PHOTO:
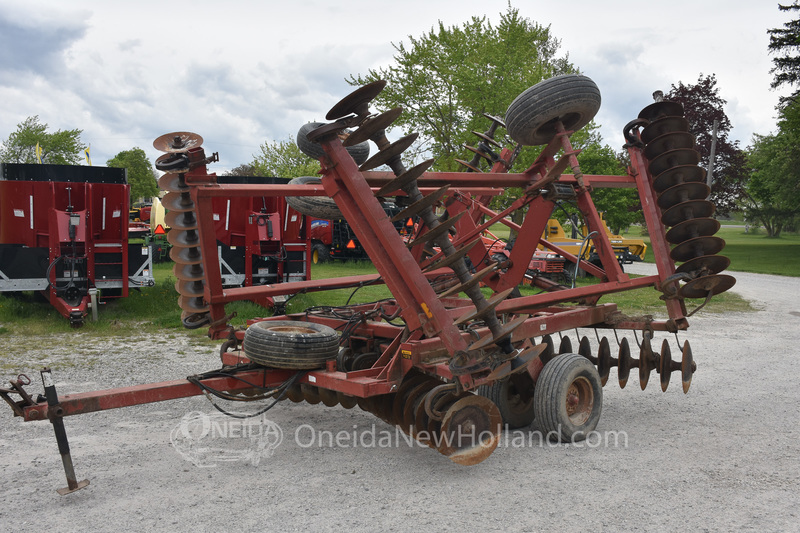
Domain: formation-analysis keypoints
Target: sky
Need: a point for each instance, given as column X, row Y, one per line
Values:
column 242, row 73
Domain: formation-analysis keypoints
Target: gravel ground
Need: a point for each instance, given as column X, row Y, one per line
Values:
column 723, row 457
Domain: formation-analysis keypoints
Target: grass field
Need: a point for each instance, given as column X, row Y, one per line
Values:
column 156, row 309
column 748, row 252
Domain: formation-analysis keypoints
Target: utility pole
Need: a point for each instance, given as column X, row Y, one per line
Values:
column 710, row 170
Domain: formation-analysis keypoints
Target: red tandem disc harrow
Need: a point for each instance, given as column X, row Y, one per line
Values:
column 456, row 353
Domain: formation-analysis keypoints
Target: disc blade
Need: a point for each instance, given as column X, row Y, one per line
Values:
column 470, row 430
column 432, row 234
column 677, row 175
column 452, row 259
column 669, row 141
column 565, row 346
column 624, row 362
column 689, row 229
column 192, row 304
column 393, row 150
column 186, row 256
column 405, row 179
column 173, row 201
column 371, row 126
column 687, row 210
column 192, row 289
column 704, row 265
column 178, row 142
column 683, row 192
column 357, row 101
column 664, row 365
column 687, row 366
column 181, row 220
column 172, row 183
column 646, row 361
column 664, row 108
column 493, row 302
column 697, row 247
column 470, row 166
column 188, row 272
column 476, row 278
column 506, row 330
column 673, row 158
column 183, row 238
column 420, row 205
column 701, row 287
column 604, row 360
column 663, row 125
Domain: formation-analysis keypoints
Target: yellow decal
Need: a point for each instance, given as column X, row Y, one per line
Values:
column 427, row 311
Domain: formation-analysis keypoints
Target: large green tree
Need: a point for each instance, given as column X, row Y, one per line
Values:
column 62, row 147
column 773, row 191
column 141, row 176
column 785, row 44
column 449, row 77
column 283, row 159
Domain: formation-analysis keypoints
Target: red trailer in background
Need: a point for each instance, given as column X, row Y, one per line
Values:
column 64, row 232
column 261, row 240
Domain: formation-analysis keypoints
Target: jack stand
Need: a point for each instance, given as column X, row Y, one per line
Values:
column 54, row 413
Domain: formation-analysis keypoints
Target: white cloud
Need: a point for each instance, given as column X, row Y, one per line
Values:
column 247, row 72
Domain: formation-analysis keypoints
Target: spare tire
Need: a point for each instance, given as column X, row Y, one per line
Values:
column 359, row 152
column 572, row 99
column 290, row 344
column 313, row 206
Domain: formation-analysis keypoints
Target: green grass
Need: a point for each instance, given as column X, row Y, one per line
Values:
column 754, row 252
column 155, row 309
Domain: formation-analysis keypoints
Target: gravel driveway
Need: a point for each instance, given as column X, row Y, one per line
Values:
column 725, row 456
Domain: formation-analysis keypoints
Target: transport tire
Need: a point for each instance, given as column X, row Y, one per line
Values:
column 292, row 344
column 568, row 398
column 359, row 152
column 572, row 99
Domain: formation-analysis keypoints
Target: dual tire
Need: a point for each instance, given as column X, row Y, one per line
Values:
column 566, row 401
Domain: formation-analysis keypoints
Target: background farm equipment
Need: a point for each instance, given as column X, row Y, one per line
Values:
column 416, row 360
column 260, row 240
column 64, row 233
column 580, row 243
column 335, row 239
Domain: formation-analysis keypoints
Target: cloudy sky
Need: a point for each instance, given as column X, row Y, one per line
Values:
column 244, row 72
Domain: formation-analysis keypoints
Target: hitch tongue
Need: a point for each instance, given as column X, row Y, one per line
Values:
column 54, row 413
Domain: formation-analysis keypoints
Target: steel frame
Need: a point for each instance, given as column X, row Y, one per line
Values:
column 429, row 336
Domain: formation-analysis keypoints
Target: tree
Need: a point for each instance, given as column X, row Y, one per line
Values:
column 620, row 207
column 773, row 194
column 446, row 79
column 702, row 106
column 283, row 159
column 242, row 170
column 141, row 176
column 786, row 41
column 64, row 147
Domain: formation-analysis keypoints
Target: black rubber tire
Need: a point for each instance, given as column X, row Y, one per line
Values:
column 550, row 398
column 572, row 99
column 359, row 152
column 290, row 344
column 514, row 398
column 320, row 253
column 313, row 206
